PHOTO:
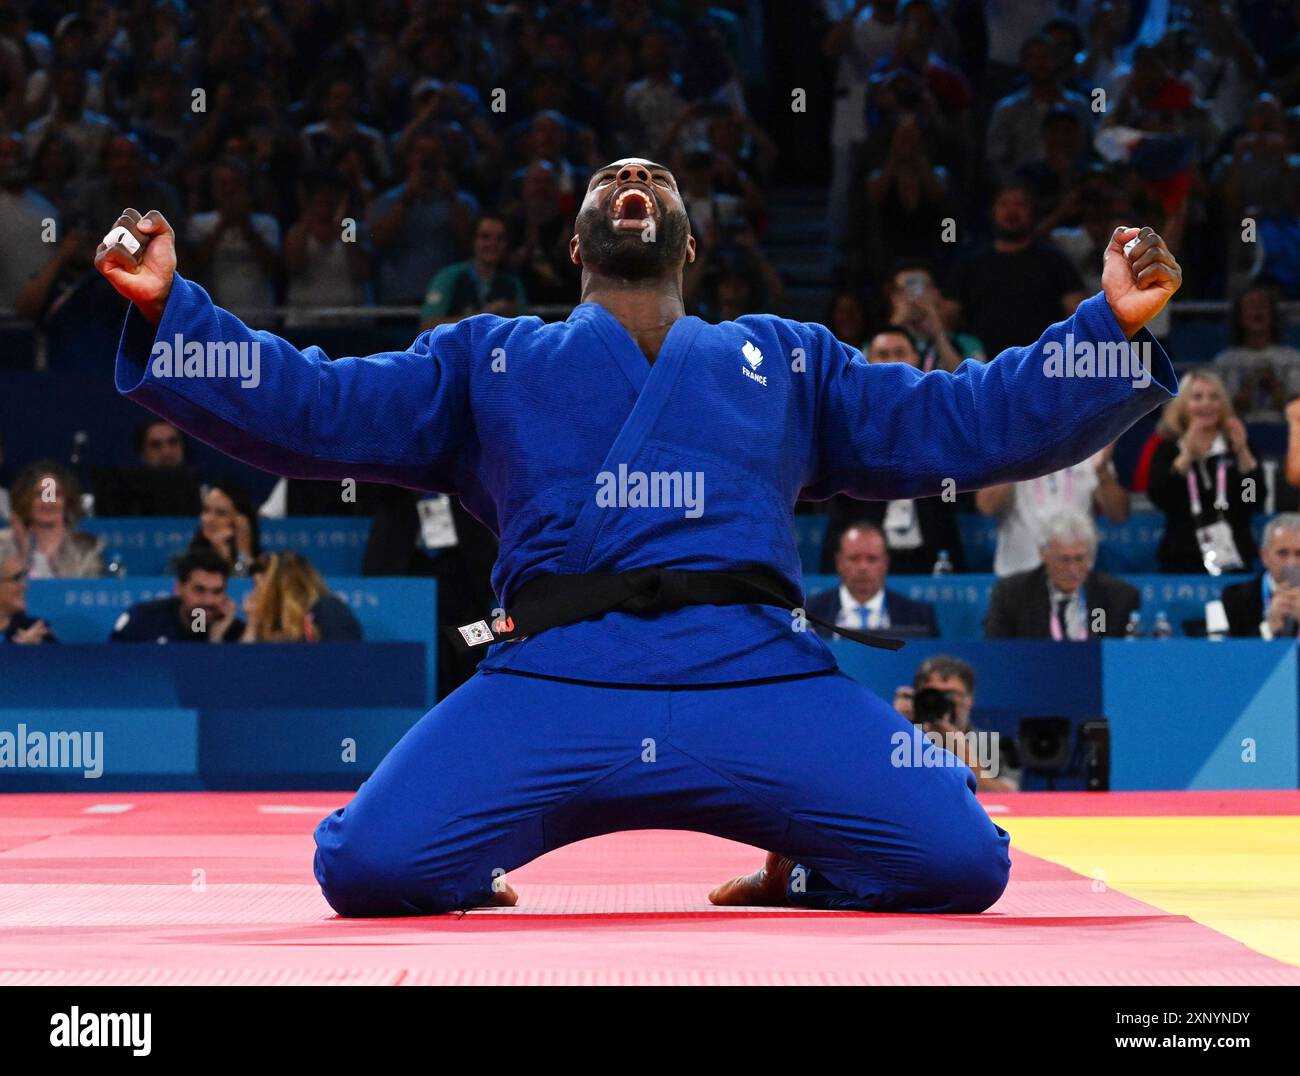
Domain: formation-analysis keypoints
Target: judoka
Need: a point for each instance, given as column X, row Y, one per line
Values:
column 650, row 666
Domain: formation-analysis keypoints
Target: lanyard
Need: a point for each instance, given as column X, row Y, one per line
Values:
column 1220, row 487
column 1041, row 497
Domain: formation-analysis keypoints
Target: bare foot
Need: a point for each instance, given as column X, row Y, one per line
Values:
column 763, row 888
column 503, row 895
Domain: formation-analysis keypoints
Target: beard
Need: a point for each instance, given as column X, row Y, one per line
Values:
column 624, row 253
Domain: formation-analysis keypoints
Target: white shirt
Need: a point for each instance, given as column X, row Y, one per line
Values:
column 850, row 615
column 238, row 280
column 1020, row 528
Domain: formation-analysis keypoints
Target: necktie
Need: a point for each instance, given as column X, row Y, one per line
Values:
column 864, row 617
column 1062, row 604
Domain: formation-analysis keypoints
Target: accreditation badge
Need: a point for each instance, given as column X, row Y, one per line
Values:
column 1219, row 548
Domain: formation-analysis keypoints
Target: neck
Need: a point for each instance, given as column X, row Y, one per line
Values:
column 864, row 596
column 485, row 270
column 647, row 310
column 1258, row 338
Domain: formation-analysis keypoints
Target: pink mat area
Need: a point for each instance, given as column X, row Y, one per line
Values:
column 216, row 888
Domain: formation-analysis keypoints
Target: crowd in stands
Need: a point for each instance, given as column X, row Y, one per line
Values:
column 318, row 155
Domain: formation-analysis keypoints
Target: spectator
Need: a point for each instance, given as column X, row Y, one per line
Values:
column 730, row 277
column 291, row 603
column 200, row 611
column 123, row 180
column 162, row 484
column 236, row 250
column 916, row 304
column 161, row 120
column 54, row 169
column 420, row 225
column 16, row 626
column 893, row 343
column 1063, row 166
column 477, row 286
column 41, row 531
column 1015, row 131
column 325, row 144
column 956, row 679
column 1226, row 67
column 903, row 202
column 1010, row 292
column 1064, row 598
column 653, row 102
column 1293, row 443
column 863, row 600
column 1206, row 482
column 1259, row 372
column 87, row 131
column 228, row 527
column 846, row 317
column 948, row 94
column 861, row 33
column 541, row 257
column 1268, row 607
column 1023, row 509
column 6, row 505
column 24, row 214
column 325, row 266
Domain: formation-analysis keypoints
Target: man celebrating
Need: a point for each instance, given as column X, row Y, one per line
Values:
column 652, row 665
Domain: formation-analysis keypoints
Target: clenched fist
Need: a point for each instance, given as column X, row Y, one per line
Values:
column 144, row 277
column 1139, row 275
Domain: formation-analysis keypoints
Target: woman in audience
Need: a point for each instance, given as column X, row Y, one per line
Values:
column 1260, row 372
column 291, row 603
column 228, row 524
column 1206, row 480
column 42, row 531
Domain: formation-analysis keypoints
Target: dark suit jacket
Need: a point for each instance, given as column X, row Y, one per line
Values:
column 1020, row 607
column 1244, row 604
column 905, row 615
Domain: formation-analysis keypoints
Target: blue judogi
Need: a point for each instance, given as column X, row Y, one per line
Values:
column 526, row 422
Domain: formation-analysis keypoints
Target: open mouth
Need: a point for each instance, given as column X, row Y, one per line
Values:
column 631, row 207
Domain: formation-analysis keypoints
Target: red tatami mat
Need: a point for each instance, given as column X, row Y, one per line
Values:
column 216, row 888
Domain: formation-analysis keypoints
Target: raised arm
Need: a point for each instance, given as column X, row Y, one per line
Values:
column 888, row 431
column 397, row 417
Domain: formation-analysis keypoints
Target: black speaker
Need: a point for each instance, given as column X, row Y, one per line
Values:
column 1094, row 744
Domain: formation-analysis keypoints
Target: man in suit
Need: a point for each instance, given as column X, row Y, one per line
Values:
column 1064, row 598
column 1269, row 607
column 862, row 600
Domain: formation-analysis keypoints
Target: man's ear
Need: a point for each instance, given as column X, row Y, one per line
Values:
column 573, row 250
column 690, row 248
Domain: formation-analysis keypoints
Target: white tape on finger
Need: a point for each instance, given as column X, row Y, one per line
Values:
column 123, row 236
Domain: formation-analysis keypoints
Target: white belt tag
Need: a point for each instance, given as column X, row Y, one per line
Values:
column 437, row 527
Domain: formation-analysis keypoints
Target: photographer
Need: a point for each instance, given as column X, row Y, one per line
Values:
column 941, row 702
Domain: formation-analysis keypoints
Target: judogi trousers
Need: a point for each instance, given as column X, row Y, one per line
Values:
column 510, row 766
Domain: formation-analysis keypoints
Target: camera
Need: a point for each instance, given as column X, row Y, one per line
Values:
column 930, row 706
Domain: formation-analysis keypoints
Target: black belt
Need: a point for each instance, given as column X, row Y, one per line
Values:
column 553, row 601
